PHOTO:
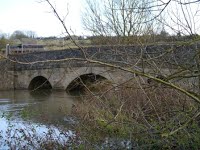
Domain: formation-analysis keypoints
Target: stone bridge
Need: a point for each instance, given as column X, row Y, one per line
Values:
column 62, row 78
column 59, row 69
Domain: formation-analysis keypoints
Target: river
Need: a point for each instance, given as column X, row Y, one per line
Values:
column 41, row 110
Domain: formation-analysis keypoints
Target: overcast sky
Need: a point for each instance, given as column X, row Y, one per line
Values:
column 37, row 17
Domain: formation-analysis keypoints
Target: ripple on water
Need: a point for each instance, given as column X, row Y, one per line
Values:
column 14, row 107
column 12, row 131
column 3, row 101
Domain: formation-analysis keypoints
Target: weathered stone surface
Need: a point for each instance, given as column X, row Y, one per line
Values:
column 6, row 76
column 18, row 71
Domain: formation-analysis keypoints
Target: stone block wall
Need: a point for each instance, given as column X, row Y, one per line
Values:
column 6, row 76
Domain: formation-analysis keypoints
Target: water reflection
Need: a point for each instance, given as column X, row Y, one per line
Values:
column 26, row 111
column 44, row 106
column 40, row 94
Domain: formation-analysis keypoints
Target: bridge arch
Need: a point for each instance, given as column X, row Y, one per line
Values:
column 39, row 82
column 84, row 74
column 84, row 79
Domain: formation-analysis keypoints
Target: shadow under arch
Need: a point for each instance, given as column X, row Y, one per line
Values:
column 39, row 83
column 79, row 83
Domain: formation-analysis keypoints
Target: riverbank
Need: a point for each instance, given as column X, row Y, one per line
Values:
column 141, row 115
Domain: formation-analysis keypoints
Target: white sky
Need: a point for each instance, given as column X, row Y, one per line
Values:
column 38, row 17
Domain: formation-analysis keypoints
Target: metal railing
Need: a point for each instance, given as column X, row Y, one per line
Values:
column 23, row 48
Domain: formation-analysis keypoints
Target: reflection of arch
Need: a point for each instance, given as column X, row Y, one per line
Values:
column 84, row 79
column 39, row 82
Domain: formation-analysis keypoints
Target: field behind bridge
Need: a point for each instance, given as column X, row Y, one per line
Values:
column 59, row 44
column 55, row 43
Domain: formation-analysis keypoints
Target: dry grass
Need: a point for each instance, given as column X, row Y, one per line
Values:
column 59, row 44
column 137, row 112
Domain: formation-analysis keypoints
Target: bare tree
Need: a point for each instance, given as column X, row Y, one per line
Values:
column 116, row 17
column 30, row 34
column 182, row 18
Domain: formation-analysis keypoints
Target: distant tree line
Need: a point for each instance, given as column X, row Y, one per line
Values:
column 3, row 41
column 162, row 37
column 16, row 36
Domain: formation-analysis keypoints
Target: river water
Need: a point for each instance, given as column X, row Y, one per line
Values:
column 41, row 110
column 30, row 119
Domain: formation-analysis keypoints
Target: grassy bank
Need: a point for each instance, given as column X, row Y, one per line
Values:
column 147, row 116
